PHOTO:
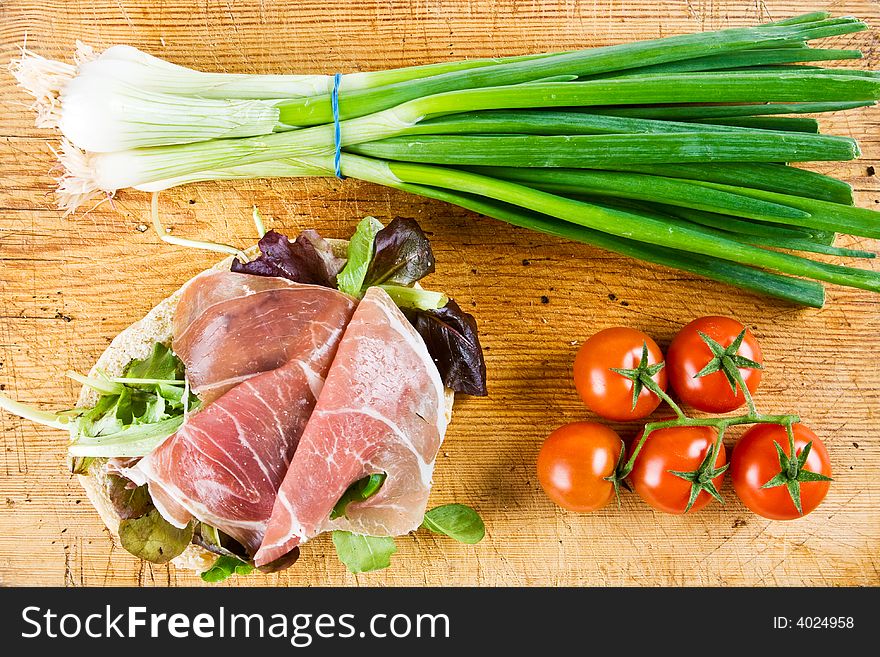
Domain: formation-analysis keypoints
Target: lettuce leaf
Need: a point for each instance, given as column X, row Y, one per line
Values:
column 361, row 490
column 456, row 521
column 402, row 255
column 161, row 364
column 134, row 440
column 451, row 337
column 362, row 554
column 360, row 253
column 415, row 298
column 128, row 501
column 153, row 538
column 225, row 567
column 308, row 259
column 133, row 421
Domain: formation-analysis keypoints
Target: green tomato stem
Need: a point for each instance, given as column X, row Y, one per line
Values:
column 793, row 462
column 737, row 375
column 657, row 390
column 719, row 423
column 716, row 448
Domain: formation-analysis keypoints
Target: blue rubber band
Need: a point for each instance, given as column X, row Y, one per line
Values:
column 337, row 132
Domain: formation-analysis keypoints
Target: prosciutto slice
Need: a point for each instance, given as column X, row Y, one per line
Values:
column 221, row 312
column 225, row 464
column 382, row 409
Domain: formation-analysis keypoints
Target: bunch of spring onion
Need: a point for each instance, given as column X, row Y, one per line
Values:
column 676, row 151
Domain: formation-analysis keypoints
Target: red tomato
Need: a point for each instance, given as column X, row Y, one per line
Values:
column 608, row 393
column 688, row 354
column 677, row 448
column 755, row 461
column 574, row 462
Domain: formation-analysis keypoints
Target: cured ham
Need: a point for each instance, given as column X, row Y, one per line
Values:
column 339, row 404
column 382, row 409
column 225, row 464
column 220, row 312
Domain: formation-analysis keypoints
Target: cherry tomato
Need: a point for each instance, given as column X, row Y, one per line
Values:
column 688, row 354
column 608, row 393
column 682, row 449
column 574, row 462
column 755, row 461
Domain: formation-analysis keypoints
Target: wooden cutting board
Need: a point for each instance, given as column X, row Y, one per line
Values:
column 67, row 286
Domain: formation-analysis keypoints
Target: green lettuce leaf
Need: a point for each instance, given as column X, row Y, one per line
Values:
column 362, row 554
column 132, row 441
column 161, row 364
column 225, row 567
column 456, row 521
column 415, row 298
column 360, row 253
column 358, row 492
column 140, row 415
column 153, row 538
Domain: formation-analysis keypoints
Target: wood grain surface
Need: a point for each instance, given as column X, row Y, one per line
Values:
column 67, row 286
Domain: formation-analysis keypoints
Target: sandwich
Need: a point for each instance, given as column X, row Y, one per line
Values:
column 299, row 387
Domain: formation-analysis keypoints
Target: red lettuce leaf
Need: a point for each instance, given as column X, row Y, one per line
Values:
column 451, row 337
column 128, row 501
column 401, row 255
column 308, row 259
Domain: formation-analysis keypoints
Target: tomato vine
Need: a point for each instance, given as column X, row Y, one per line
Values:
column 792, row 470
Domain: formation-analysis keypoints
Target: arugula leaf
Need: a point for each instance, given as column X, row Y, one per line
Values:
column 131, row 422
column 109, row 414
column 362, row 554
column 308, row 259
column 402, row 255
column 160, row 364
column 358, row 492
column 132, row 441
column 225, row 567
column 360, row 253
column 456, row 521
column 451, row 337
column 153, row 538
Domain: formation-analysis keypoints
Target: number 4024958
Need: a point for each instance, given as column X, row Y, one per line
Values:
column 814, row 622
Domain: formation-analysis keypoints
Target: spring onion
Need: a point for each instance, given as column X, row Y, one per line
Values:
column 769, row 177
column 675, row 151
column 670, row 191
column 544, row 122
column 700, row 112
column 743, row 59
column 794, row 290
column 598, row 151
column 88, row 173
column 791, row 124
